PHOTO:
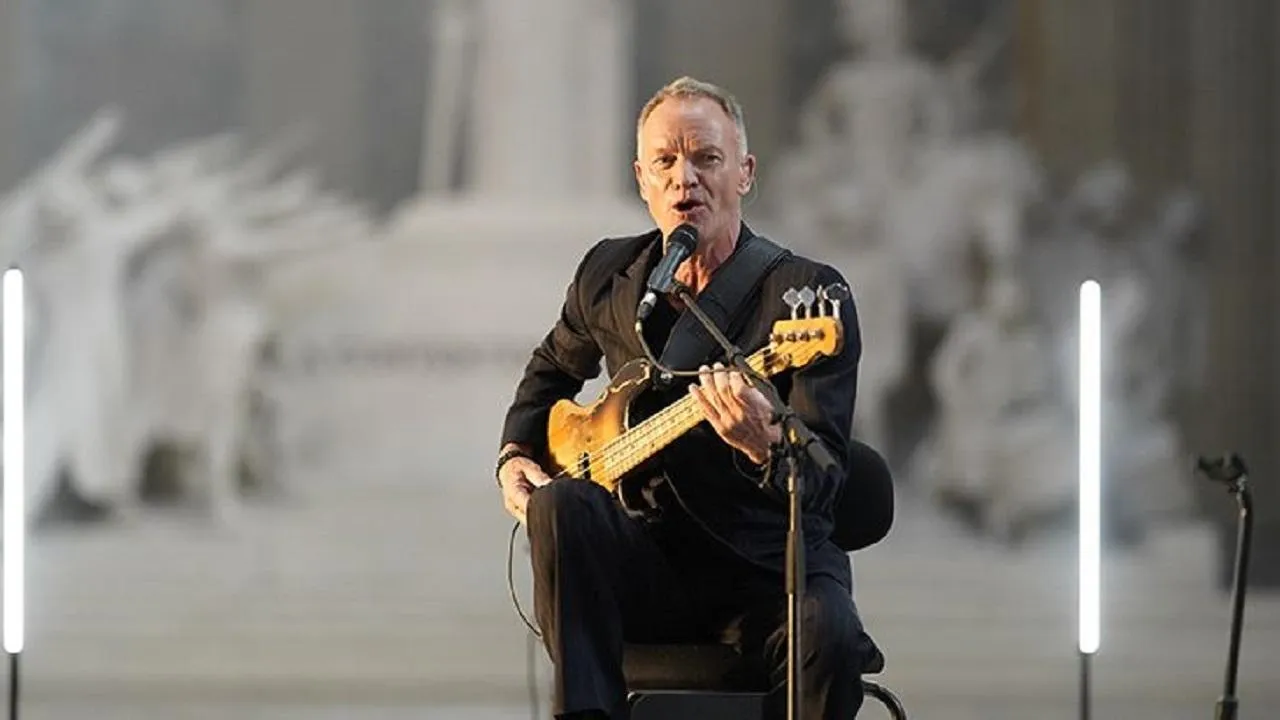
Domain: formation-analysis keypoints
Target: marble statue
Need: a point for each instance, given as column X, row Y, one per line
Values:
column 74, row 248
column 147, row 281
column 860, row 130
column 892, row 183
column 197, row 372
column 970, row 200
column 874, row 271
column 1153, row 302
column 1159, row 348
column 1004, row 444
column 860, row 137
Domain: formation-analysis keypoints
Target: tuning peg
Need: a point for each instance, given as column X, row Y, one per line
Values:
column 807, row 296
column 793, row 301
column 833, row 294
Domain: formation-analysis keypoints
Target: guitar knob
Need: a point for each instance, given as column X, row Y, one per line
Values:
column 833, row 294
column 807, row 296
column 792, row 299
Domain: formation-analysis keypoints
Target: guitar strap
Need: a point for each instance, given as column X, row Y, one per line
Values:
column 689, row 345
column 723, row 300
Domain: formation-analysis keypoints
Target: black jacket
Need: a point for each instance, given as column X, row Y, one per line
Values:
column 597, row 321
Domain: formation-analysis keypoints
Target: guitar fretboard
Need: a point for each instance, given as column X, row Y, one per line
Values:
column 622, row 454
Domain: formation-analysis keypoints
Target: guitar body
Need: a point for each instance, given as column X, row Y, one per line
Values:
column 576, row 433
column 606, row 441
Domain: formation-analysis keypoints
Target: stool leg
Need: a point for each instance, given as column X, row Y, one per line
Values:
column 885, row 697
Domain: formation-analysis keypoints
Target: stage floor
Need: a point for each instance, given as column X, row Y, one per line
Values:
column 375, row 588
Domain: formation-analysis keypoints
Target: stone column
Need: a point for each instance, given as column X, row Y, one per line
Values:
column 522, row 140
column 10, row 83
column 1233, row 120
column 451, row 38
column 1068, row 88
column 1153, row 64
column 601, row 81
column 306, row 68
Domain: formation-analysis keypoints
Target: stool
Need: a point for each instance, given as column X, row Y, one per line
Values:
column 713, row 682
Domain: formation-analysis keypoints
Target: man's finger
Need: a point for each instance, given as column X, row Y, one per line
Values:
column 721, row 380
column 738, row 385
column 520, row 503
column 709, row 392
column 709, row 409
column 537, row 476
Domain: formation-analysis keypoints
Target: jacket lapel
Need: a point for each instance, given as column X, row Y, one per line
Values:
column 689, row 343
column 628, row 287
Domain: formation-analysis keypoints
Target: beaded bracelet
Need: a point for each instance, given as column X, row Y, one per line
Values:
column 504, row 458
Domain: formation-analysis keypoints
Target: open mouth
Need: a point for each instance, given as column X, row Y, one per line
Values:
column 685, row 206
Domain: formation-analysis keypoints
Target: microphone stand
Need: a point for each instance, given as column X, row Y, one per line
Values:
column 797, row 441
column 1231, row 472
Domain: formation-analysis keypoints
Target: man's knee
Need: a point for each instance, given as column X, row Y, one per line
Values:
column 833, row 631
column 578, row 501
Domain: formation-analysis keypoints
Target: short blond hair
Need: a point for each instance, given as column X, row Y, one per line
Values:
column 688, row 87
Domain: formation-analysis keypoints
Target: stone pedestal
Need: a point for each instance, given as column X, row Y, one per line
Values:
column 470, row 273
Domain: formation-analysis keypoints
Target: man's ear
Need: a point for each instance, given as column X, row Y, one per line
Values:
column 748, row 174
column 635, row 164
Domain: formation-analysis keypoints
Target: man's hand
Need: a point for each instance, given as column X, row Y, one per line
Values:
column 740, row 414
column 518, row 477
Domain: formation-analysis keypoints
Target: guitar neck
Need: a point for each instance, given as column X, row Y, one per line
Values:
column 641, row 442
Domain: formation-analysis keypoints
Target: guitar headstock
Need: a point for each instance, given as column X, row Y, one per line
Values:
column 814, row 329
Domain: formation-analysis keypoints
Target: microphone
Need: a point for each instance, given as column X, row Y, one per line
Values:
column 1226, row 469
column 680, row 245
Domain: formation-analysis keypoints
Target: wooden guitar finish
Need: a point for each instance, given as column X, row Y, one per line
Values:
column 577, row 434
column 599, row 442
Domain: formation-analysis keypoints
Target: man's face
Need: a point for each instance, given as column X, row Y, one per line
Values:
column 689, row 167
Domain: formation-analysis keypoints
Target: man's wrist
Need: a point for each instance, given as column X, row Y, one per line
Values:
column 761, row 455
column 509, row 452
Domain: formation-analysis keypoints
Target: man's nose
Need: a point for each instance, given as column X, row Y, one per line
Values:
column 686, row 174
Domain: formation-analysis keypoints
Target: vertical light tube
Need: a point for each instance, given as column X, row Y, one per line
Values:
column 1090, row 407
column 14, row 418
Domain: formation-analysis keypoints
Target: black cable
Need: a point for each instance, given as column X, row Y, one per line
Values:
column 511, row 582
column 531, row 666
column 531, row 647
column 752, row 377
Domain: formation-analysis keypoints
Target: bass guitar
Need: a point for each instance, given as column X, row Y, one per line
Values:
column 598, row 442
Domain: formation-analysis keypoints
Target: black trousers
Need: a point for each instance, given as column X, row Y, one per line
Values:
column 603, row 578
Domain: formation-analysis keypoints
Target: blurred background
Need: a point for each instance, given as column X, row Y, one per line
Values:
column 273, row 247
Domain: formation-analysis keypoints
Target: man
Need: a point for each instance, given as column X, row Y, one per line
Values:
column 708, row 561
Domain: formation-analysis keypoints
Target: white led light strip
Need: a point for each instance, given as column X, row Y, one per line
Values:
column 1090, row 407
column 14, row 418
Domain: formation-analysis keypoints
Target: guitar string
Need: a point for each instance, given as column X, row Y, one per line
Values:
column 622, row 453
column 616, row 456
